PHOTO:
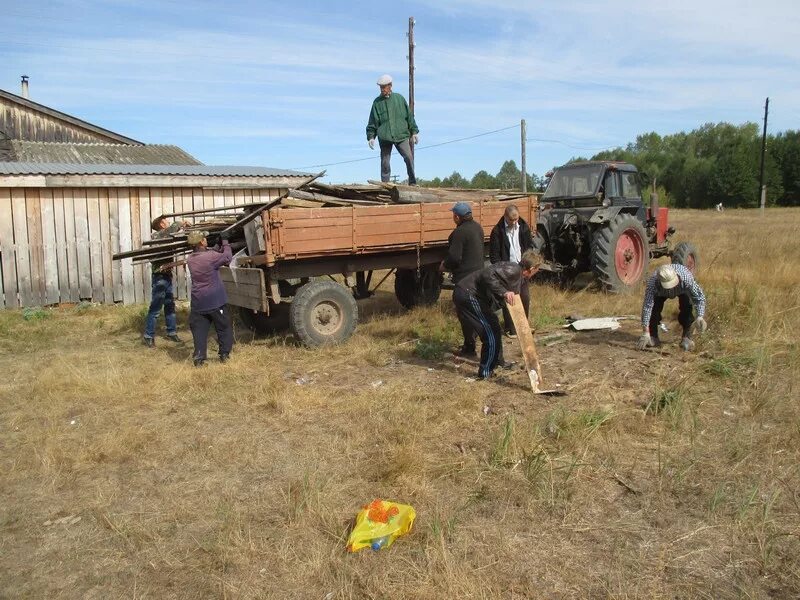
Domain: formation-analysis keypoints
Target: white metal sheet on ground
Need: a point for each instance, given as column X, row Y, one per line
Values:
column 595, row 323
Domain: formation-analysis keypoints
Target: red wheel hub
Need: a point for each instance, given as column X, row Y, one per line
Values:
column 629, row 256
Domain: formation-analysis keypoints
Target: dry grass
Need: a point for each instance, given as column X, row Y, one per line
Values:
column 658, row 476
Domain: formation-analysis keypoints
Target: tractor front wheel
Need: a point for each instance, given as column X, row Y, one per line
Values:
column 687, row 255
column 620, row 254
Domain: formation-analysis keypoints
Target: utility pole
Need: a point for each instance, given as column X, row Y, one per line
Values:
column 411, row 70
column 761, row 187
column 523, row 130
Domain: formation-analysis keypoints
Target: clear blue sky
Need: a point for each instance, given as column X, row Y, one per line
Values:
column 289, row 84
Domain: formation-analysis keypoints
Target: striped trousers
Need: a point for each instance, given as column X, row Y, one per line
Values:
column 485, row 323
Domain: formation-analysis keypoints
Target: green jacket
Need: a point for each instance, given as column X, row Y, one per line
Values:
column 391, row 119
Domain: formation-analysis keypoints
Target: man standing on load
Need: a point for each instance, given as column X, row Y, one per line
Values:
column 392, row 122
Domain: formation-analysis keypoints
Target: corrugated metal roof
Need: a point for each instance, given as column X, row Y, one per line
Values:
column 89, row 153
column 29, row 168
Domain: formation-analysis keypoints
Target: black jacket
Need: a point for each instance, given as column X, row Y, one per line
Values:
column 499, row 248
column 465, row 250
column 491, row 283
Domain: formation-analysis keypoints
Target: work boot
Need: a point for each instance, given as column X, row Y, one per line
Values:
column 173, row 337
column 465, row 352
column 225, row 357
column 503, row 364
column 511, row 334
column 199, row 362
column 149, row 342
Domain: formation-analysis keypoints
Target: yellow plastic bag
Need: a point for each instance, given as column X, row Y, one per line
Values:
column 379, row 524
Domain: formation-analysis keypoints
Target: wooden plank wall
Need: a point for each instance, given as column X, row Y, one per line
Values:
column 56, row 243
column 26, row 123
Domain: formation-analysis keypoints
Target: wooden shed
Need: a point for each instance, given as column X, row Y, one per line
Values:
column 60, row 223
column 24, row 119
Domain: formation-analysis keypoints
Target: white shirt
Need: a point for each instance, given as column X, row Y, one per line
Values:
column 514, row 250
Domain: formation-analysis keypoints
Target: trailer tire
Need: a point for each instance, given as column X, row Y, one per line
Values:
column 687, row 255
column 323, row 312
column 262, row 323
column 620, row 253
column 423, row 291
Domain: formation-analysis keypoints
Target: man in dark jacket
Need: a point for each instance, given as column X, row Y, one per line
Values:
column 392, row 122
column 509, row 240
column 480, row 294
column 209, row 300
column 464, row 256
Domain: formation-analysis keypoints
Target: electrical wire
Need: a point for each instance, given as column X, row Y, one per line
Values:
column 355, row 160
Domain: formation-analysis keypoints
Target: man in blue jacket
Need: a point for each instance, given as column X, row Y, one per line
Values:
column 392, row 122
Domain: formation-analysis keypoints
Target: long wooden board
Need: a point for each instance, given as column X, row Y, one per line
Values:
column 526, row 342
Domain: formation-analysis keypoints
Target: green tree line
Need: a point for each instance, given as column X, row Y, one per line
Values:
column 509, row 177
column 717, row 162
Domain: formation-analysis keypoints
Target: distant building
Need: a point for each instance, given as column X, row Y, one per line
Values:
column 72, row 194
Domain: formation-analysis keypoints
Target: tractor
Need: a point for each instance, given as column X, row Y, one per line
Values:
column 592, row 218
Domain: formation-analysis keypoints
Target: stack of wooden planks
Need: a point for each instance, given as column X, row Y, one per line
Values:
column 310, row 194
column 314, row 195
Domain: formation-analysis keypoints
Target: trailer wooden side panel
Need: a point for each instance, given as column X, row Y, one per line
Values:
column 316, row 232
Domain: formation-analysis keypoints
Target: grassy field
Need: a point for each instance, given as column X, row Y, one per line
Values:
column 126, row 472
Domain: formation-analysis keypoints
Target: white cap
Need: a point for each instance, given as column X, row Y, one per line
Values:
column 667, row 277
column 384, row 80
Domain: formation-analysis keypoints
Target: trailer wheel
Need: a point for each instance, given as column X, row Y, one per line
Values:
column 262, row 323
column 323, row 312
column 414, row 291
column 687, row 255
column 620, row 253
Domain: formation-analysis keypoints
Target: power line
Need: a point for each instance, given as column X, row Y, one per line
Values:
column 355, row 160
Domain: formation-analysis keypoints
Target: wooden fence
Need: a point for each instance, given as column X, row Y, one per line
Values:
column 56, row 243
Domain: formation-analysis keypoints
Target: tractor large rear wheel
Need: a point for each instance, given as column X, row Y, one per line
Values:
column 620, row 254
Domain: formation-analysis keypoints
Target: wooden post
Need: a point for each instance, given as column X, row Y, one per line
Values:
column 411, row 69
column 761, row 188
column 523, row 130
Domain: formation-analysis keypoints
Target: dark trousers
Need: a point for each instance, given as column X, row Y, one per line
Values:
column 466, row 329
column 483, row 321
column 685, row 314
column 404, row 148
column 200, row 323
column 525, row 296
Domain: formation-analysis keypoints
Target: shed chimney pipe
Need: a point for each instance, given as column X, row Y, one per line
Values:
column 24, row 86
